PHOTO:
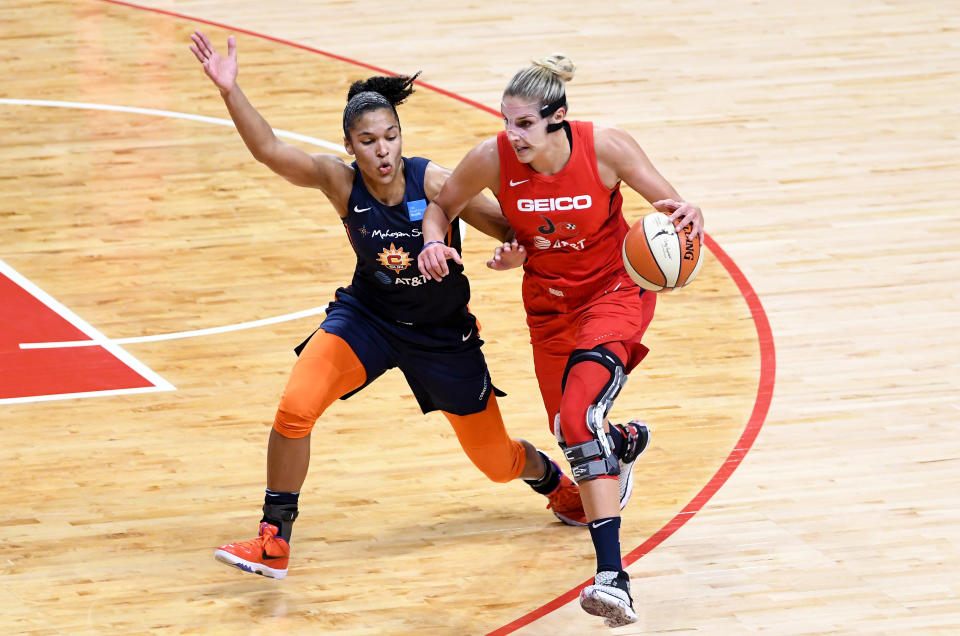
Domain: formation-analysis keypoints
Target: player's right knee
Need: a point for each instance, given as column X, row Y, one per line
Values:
column 587, row 398
column 294, row 420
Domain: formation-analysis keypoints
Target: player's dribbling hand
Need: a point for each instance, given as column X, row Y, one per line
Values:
column 508, row 256
column 682, row 214
column 432, row 260
column 223, row 71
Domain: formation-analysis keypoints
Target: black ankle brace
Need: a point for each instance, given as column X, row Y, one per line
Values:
column 285, row 514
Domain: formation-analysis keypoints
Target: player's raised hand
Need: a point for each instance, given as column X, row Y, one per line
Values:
column 222, row 70
column 508, row 256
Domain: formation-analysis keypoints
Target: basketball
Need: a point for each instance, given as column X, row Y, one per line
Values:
column 658, row 258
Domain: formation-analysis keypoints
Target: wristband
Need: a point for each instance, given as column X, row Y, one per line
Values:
column 429, row 243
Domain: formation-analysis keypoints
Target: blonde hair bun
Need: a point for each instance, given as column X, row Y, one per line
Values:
column 558, row 64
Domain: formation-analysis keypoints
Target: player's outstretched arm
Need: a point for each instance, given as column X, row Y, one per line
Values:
column 292, row 163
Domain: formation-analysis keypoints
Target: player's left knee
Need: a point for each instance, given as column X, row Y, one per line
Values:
column 501, row 462
column 499, row 473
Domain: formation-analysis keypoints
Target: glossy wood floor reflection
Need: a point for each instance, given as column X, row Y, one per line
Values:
column 822, row 146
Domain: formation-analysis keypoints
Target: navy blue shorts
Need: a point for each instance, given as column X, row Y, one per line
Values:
column 443, row 365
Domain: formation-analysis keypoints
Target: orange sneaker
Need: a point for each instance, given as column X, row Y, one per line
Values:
column 565, row 503
column 268, row 554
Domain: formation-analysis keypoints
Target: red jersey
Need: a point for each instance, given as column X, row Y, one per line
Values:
column 571, row 225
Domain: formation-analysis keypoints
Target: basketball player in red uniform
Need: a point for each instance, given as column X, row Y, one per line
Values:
column 558, row 183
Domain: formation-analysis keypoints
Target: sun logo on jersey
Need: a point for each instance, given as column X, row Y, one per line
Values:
column 394, row 258
column 363, row 230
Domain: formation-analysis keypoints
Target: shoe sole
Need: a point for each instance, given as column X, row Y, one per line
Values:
column 247, row 566
column 568, row 520
column 628, row 491
column 613, row 610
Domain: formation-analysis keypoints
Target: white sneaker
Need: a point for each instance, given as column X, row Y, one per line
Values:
column 609, row 597
column 637, row 435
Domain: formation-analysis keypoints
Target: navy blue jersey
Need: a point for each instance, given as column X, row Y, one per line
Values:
column 387, row 240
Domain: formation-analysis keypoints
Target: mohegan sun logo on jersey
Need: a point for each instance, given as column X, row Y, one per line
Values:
column 394, row 258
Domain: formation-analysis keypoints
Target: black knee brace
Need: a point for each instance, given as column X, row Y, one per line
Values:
column 595, row 457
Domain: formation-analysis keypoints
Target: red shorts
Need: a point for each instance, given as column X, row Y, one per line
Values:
column 621, row 316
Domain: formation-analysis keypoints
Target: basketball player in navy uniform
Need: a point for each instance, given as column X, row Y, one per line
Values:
column 387, row 317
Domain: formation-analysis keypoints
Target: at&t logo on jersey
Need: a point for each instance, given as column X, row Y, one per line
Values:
column 394, row 258
column 579, row 202
column 414, row 281
column 543, row 243
column 386, row 279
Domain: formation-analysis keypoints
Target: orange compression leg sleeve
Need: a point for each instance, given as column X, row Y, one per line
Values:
column 485, row 441
column 326, row 369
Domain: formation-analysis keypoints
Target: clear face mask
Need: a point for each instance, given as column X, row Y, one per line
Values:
column 521, row 120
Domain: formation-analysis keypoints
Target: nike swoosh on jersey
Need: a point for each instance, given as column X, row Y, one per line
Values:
column 358, row 210
column 516, row 183
column 466, row 337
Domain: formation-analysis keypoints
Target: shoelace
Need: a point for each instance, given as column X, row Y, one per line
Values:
column 260, row 541
column 564, row 498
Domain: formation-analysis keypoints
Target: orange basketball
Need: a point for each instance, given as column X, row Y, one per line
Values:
column 659, row 258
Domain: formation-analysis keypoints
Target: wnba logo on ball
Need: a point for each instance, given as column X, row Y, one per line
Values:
column 658, row 257
column 558, row 203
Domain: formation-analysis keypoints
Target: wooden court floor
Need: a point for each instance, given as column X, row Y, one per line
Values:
column 803, row 391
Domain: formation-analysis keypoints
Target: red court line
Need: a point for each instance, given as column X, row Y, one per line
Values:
column 764, row 334
column 303, row 47
column 27, row 373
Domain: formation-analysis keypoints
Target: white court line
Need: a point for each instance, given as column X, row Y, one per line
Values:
column 168, row 113
column 181, row 334
column 97, row 338
column 83, row 394
column 197, row 332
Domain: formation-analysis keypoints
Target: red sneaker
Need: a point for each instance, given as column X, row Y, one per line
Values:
column 268, row 554
column 565, row 503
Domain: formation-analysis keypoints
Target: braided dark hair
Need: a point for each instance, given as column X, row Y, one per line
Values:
column 374, row 93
